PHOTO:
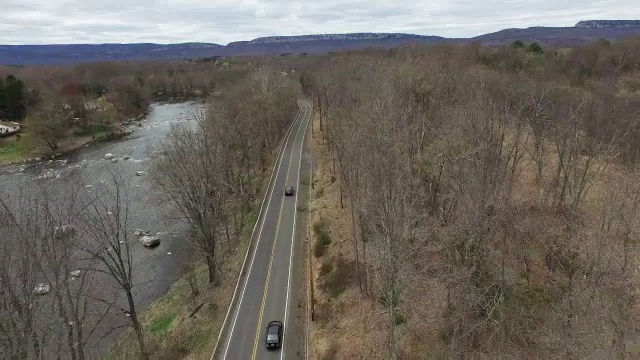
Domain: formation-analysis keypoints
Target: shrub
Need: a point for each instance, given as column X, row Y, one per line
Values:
column 338, row 280
column 323, row 239
column 326, row 267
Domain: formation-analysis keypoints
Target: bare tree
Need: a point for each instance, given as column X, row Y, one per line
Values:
column 189, row 176
column 208, row 171
column 105, row 225
column 45, row 251
column 50, row 123
column 23, row 331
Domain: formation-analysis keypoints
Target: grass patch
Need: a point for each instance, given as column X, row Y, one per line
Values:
column 96, row 132
column 169, row 329
column 14, row 148
column 162, row 324
column 323, row 239
column 8, row 149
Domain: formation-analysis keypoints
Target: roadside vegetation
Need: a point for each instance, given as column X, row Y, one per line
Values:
column 212, row 175
column 474, row 202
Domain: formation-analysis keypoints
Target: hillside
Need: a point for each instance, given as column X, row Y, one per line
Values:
column 582, row 32
column 602, row 24
column 74, row 53
column 558, row 35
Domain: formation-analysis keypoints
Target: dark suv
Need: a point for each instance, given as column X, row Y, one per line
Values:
column 289, row 190
column 274, row 335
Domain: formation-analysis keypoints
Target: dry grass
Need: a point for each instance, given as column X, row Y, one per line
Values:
column 350, row 325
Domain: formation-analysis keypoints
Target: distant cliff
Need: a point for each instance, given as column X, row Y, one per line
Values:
column 609, row 24
column 335, row 37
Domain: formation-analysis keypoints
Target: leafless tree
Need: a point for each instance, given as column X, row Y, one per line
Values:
column 38, row 225
column 189, row 175
column 210, row 163
column 108, row 240
column 23, row 331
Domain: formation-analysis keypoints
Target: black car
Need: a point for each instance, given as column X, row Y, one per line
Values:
column 274, row 334
column 289, row 190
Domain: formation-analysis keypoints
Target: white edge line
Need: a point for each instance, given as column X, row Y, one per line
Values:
column 293, row 241
column 268, row 193
column 308, row 257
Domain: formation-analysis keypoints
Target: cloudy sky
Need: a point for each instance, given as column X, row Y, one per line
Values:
column 223, row 21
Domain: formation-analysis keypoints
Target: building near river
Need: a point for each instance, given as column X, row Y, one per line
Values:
column 9, row 128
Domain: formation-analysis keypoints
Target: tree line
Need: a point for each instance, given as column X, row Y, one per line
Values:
column 210, row 170
column 474, row 179
column 57, row 102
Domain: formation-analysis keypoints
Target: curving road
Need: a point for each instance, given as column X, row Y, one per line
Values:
column 269, row 289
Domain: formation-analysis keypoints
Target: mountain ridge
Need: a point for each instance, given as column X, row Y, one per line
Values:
column 58, row 54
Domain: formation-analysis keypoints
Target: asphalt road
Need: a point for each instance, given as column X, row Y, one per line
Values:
column 268, row 291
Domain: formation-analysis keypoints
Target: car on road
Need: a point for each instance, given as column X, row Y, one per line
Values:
column 274, row 334
column 289, row 190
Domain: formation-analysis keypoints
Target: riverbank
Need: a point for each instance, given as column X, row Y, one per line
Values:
column 25, row 148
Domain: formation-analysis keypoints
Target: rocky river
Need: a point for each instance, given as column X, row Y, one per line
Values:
column 155, row 269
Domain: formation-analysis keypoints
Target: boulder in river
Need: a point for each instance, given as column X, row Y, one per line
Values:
column 141, row 172
column 47, row 175
column 42, row 289
column 109, row 156
column 150, row 240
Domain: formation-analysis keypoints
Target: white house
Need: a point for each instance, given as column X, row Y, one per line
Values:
column 9, row 128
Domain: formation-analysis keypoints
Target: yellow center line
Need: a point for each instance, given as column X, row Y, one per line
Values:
column 266, row 285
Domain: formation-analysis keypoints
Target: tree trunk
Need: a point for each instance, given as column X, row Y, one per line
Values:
column 137, row 327
column 364, row 258
column 355, row 246
column 392, row 327
column 211, row 265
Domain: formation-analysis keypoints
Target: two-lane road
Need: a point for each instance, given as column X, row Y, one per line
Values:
column 266, row 293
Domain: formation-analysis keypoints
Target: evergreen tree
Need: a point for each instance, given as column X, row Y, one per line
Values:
column 14, row 99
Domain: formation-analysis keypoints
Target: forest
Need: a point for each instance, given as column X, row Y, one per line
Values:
column 467, row 201
column 476, row 202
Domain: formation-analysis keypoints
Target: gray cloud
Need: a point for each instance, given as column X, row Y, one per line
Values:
column 223, row 21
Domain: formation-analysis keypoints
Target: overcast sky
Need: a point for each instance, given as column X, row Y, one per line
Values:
column 223, row 21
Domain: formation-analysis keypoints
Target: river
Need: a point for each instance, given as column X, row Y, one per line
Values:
column 155, row 269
